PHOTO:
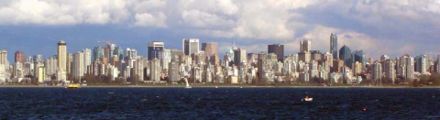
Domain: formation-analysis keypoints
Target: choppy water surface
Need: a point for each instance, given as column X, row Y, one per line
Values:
column 222, row 103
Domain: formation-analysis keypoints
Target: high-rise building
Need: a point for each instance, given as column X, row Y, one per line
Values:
column 422, row 64
column 98, row 53
column 51, row 66
column 240, row 57
column 305, row 49
column 191, row 46
column 62, row 61
column 87, row 60
column 316, row 55
column 4, row 57
column 408, row 67
column 155, row 49
column 211, row 51
column 20, row 57
column 359, row 56
column 377, row 72
column 277, row 49
column 210, row 48
column 346, row 56
column 4, row 65
column 40, row 72
column 437, row 64
column 390, row 71
column 173, row 71
column 334, row 45
column 305, row 46
column 78, row 68
column 155, row 70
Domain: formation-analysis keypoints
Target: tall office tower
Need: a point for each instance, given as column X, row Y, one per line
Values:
column 155, row 70
column 4, row 57
column 20, row 57
column 384, row 57
column 131, row 54
column 155, row 49
column 166, row 58
column 437, row 64
column 305, row 46
column 304, row 54
column 422, row 64
column 4, row 65
column 277, row 49
column 334, row 45
column 316, row 55
column 40, row 72
column 377, row 72
column 313, row 69
column 98, row 53
column 390, row 71
column 62, row 61
column 359, row 56
column 109, row 50
column 38, row 58
column 210, row 48
column 240, row 57
column 346, row 56
column 138, row 70
column 87, row 58
column 51, row 66
column 78, row 68
column 191, row 46
column 173, row 71
column 211, row 51
column 263, row 69
column 328, row 59
column 409, row 70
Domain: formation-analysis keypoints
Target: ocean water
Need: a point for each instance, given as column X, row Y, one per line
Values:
column 221, row 103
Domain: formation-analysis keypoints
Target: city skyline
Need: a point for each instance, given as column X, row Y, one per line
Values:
column 404, row 27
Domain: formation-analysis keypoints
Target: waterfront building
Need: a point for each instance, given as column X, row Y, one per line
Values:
column 40, row 72
column 334, row 45
column 155, row 50
column 422, row 64
column 62, row 59
column 4, row 66
column 191, row 46
column 19, row 57
column 305, row 46
column 346, row 56
column 377, row 72
column 155, row 70
column 390, row 71
column 211, row 51
column 240, row 57
column 277, row 49
column 359, row 56
column 78, row 68
column 4, row 57
column 173, row 72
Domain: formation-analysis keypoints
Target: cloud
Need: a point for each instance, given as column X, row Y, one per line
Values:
column 62, row 12
column 146, row 19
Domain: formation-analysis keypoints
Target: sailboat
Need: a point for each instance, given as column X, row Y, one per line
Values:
column 187, row 84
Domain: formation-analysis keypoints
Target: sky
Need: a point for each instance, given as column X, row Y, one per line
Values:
column 392, row 27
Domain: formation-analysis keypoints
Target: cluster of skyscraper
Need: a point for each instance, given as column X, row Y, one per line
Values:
column 200, row 63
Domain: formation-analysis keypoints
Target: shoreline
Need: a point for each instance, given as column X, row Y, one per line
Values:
column 219, row 86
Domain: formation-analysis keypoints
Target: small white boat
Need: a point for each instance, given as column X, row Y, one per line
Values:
column 307, row 99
